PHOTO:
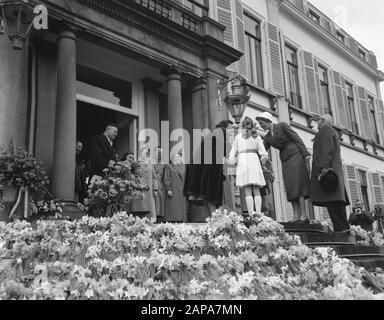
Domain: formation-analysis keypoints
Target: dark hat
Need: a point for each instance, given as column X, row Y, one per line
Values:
column 329, row 181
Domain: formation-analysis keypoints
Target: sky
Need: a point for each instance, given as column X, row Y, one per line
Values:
column 362, row 19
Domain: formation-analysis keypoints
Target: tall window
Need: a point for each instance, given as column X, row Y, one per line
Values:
column 253, row 53
column 351, row 108
column 362, row 54
column 364, row 188
column 324, row 86
column 340, row 37
column 315, row 17
column 372, row 119
column 293, row 74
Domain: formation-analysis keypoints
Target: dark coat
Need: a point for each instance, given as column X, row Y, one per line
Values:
column 175, row 206
column 292, row 155
column 205, row 181
column 101, row 152
column 286, row 140
column 326, row 154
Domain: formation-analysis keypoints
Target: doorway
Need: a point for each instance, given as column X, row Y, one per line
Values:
column 92, row 120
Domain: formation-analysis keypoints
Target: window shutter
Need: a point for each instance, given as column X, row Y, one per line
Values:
column 364, row 112
column 310, row 80
column 372, row 60
column 353, row 183
column 239, row 18
column 300, row 5
column 381, row 117
column 377, row 188
column 224, row 14
column 353, row 45
column 275, row 59
column 342, row 117
column 327, row 24
column 318, row 87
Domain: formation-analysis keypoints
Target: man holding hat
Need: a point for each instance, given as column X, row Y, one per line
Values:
column 327, row 178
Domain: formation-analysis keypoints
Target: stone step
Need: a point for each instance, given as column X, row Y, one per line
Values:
column 293, row 227
column 369, row 264
column 327, row 239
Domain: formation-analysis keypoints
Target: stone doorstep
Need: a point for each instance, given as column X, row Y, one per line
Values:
column 369, row 264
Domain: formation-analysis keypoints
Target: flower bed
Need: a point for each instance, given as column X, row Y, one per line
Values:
column 130, row 258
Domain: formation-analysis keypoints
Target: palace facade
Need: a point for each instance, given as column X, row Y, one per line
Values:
column 139, row 62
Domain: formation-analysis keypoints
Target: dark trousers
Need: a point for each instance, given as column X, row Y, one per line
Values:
column 338, row 215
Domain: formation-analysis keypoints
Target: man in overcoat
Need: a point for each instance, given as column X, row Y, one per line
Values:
column 102, row 150
column 326, row 155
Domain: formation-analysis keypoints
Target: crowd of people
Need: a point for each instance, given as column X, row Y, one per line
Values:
column 177, row 189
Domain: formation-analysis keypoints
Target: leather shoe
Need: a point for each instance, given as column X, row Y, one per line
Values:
column 306, row 221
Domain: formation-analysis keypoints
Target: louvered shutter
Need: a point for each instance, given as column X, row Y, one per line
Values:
column 239, row 18
column 377, row 188
column 318, row 87
column 353, row 183
column 372, row 60
column 300, row 4
column 381, row 118
column 340, row 95
column 353, row 45
column 364, row 112
column 310, row 80
column 327, row 24
column 224, row 14
column 345, row 96
column 275, row 59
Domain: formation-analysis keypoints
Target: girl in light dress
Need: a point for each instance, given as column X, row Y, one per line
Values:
column 249, row 174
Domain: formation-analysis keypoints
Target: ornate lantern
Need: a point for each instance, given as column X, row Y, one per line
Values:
column 17, row 18
column 236, row 96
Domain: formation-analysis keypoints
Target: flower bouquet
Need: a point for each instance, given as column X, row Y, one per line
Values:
column 47, row 210
column 20, row 172
column 114, row 191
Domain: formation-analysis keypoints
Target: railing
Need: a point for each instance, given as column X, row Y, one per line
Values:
column 184, row 12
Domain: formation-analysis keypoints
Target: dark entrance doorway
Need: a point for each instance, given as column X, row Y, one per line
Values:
column 92, row 120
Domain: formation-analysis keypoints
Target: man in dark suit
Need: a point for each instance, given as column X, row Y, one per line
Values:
column 326, row 155
column 102, row 150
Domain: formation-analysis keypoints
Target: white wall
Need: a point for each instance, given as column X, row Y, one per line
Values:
column 325, row 52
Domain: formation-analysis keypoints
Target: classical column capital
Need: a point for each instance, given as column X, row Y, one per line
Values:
column 172, row 73
column 199, row 84
column 151, row 85
column 68, row 31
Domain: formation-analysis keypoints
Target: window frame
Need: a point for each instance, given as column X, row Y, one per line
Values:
column 295, row 98
column 364, row 187
column 340, row 36
column 327, row 85
column 373, row 117
column 314, row 16
column 351, row 107
column 254, row 66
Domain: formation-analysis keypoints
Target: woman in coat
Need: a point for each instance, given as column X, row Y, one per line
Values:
column 326, row 155
column 175, row 202
column 150, row 179
column 295, row 161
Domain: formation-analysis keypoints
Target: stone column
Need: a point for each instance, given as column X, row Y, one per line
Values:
column 13, row 93
column 151, row 104
column 175, row 110
column 199, row 103
column 216, row 113
column 63, row 177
